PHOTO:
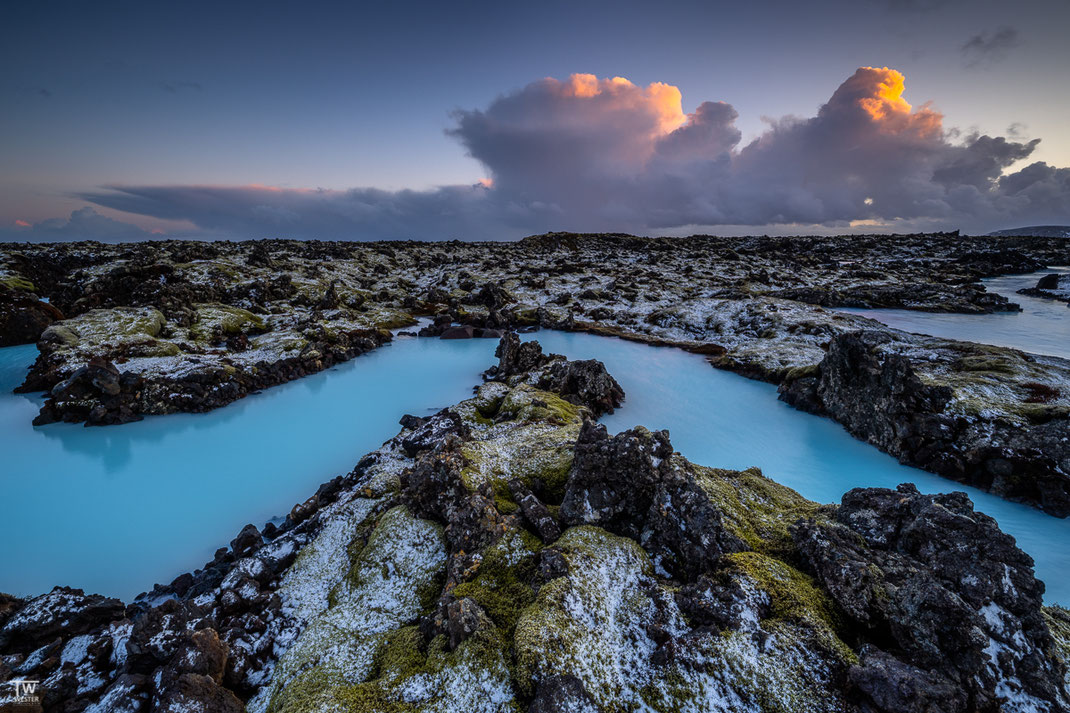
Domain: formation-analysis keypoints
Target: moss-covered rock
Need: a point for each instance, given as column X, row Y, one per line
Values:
column 605, row 620
column 216, row 321
column 519, row 432
column 389, row 582
column 17, row 283
column 502, row 585
column 755, row 508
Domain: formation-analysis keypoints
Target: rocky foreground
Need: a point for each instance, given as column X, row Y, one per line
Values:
column 155, row 328
column 507, row 554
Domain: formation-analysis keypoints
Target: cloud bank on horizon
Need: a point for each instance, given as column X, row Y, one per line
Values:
column 591, row 154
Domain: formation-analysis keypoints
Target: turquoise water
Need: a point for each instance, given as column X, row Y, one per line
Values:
column 1042, row 327
column 720, row 419
column 116, row 509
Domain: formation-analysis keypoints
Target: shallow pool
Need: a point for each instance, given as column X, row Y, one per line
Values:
column 116, row 509
column 1042, row 327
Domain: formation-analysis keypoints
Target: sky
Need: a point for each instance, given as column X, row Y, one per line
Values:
column 481, row 120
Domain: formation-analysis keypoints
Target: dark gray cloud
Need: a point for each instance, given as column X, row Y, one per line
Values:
column 83, row 224
column 989, row 47
column 605, row 154
column 358, row 214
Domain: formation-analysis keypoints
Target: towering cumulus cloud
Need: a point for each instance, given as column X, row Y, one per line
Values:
column 606, row 154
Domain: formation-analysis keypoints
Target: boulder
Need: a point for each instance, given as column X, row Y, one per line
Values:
column 613, row 480
column 464, row 331
column 63, row 611
column 951, row 600
column 516, row 357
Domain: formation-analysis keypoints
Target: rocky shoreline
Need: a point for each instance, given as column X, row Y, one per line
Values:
column 508, row 554
column 165, row 327
column 1052, row 287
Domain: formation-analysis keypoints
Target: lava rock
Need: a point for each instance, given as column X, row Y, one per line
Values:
column 23, row 317
column 63, row 611
column 535, row 512
column 613, row 480
column 585, row 382
column 941, row 587
column 464, row 331
column 562, row 694
column 516, row 357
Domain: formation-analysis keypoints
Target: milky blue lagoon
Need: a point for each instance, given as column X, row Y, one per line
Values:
column 1042, row 327
column 116, row 509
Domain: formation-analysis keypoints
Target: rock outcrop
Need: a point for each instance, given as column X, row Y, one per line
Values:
column 584, row 382
column 948, row 605
column 23, row 317
column 971, row 413
column 1054, row 286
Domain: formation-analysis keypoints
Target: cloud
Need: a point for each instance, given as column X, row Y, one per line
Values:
column 357, row 214
column 989, row 47
column 605, row 154
column 83, row 224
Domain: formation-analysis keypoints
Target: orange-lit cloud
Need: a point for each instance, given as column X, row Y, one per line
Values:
column 21, row 224
column 888, row 97
column 590, row 153
column 878, row 93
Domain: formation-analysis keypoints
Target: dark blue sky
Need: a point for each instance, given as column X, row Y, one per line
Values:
column 310, row 95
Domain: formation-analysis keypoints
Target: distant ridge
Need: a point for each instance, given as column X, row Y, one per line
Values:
column 1040, row 231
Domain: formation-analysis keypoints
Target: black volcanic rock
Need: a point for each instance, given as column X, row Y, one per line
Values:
column 23, row 317
column 62, row 611
column 516, row 357
column 951, row 600
column 869, row 382
column 585, row 382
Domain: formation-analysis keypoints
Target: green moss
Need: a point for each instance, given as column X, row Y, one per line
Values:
column 802, row 372
column 114, row 327
column 793, row 595
column 604, row 574
column 1058, row 620
column 502, row 583
column 387, row 318
column 479, row 660
column 1001, row 363
column 17, row 283
column 403, row 654
column 525, row 316
column 309, row 691
column 391, row 576
column 218, row 320
column 480, row 410
column 468, row 312
column 372, row 562
column 503, row 497
column 526, row 403
column 756, row 509
column 519, row 433
column 60, row 334
column 153, row 348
